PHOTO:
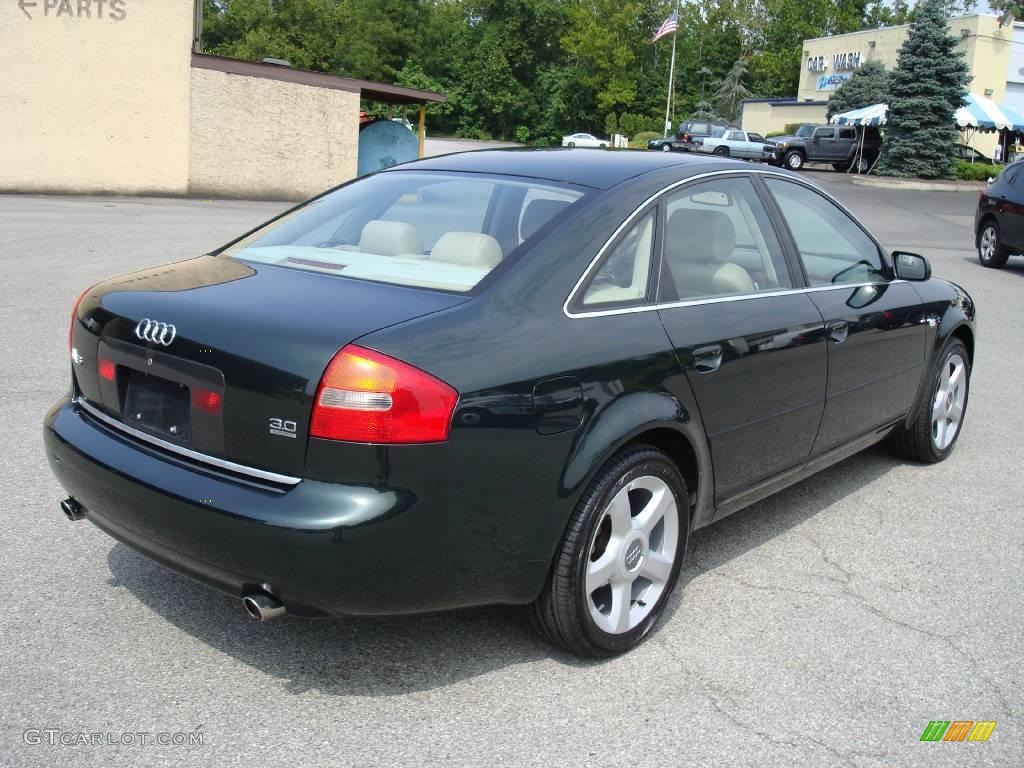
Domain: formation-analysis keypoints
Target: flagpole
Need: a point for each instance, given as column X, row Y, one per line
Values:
column 671, row 79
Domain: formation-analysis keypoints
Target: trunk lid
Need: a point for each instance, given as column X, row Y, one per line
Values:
column 237, row 378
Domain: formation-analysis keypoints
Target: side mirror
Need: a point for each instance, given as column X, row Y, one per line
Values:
column 911, row 266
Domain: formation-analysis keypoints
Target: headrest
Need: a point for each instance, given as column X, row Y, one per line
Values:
column 468, row 248
column 390, row 238
column 537, row 214
column 699, row 236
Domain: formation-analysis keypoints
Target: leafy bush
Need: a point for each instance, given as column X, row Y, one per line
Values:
column 966, row 171
column 773, row 134
column 641, row 139
column 471, row 132
column 522, row 134
column 790, row 129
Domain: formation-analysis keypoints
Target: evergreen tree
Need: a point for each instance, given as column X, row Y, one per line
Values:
column 927, row 88
column 868, row 85
column 731, row 92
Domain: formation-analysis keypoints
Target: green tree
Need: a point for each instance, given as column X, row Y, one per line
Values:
column 927, row 88
column 731, row 92
column 869, row 84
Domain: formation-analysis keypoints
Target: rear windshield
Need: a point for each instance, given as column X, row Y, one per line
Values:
column 432, row 230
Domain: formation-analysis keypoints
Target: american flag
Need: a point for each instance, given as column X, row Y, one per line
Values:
column 670, row 25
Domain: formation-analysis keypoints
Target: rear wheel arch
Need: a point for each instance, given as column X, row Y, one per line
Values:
column 986, row 219
column 677, row 447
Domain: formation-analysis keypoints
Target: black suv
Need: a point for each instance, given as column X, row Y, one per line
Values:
column 999, row 219
column 835, row 144
column 691, row 135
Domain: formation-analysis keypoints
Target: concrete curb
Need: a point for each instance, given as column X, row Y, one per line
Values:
column 922, row 185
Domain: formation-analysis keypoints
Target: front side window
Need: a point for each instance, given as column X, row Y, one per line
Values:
column 825, row 133
column 833, row 248
column 426, row 229
column 719, row 242
column 623, row 276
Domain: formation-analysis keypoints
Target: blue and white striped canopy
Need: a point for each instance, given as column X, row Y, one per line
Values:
column 876, row 114
column 984, row 114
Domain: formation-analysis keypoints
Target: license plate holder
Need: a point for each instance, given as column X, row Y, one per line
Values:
column 158, row 405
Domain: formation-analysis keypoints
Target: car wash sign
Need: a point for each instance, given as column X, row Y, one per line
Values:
column 839, row 64
column 101, row 10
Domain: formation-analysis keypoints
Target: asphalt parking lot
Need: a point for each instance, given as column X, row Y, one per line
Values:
column 824, row 626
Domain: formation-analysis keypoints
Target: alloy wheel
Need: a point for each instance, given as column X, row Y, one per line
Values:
column 632, row 554
column 989, row 242
column 948, row 404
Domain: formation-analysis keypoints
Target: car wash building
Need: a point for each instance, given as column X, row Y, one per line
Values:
column 114, row 96
column 994, row 53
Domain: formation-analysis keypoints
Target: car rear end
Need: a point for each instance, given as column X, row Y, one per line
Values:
column 224, row 419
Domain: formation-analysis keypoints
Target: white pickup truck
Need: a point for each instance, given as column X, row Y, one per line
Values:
column 742, row 144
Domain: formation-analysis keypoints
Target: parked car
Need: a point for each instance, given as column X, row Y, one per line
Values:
column 386, row 401
column 583, row 140
column 999, row 218
column 689, row 136
column 741, row 144
column 662, row 145
column 836, row 144
column 969, row 154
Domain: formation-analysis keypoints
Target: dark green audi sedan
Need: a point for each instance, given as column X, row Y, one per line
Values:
column 519, row 377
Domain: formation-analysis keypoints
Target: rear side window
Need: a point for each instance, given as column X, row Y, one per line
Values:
column 833, row 248
column 719, row 241
column 432, row 230
column 623, row 276
column 847, row 133
column 699, row 128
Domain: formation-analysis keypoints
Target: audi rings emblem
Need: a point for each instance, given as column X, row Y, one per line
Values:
column 159, row 333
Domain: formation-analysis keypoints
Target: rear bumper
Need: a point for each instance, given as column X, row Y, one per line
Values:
column 322, row 548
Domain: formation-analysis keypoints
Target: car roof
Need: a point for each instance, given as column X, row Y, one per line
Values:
column 600, row 169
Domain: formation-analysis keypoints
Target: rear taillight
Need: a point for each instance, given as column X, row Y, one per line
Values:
column 206, row 400
column 107, row 369
column 74, row 316
column 367, row 397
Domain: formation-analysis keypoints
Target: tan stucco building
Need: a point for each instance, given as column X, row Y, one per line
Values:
column 109, row 96
column 828, row 61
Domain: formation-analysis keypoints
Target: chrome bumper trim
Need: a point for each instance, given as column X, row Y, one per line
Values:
column 231, row 466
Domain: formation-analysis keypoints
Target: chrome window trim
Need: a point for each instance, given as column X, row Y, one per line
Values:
column 231, row 466
column 716, row 299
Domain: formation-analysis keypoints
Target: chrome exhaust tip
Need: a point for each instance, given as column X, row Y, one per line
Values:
column 72, row 510
column 263, row 607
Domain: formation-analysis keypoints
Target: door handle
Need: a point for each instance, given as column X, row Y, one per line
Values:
column 838, row 330
column 707, row 359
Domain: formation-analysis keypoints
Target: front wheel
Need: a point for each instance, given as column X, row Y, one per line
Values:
column 619, row 557
column 722, row 151
column 991, row 251
column 793, row 160
column 936, row 427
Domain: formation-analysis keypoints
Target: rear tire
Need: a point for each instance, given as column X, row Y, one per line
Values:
column 793, row 160
column 666, row 147
column 722, row 151
column 991, row 251
column 619, row 558
column 940, row 416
